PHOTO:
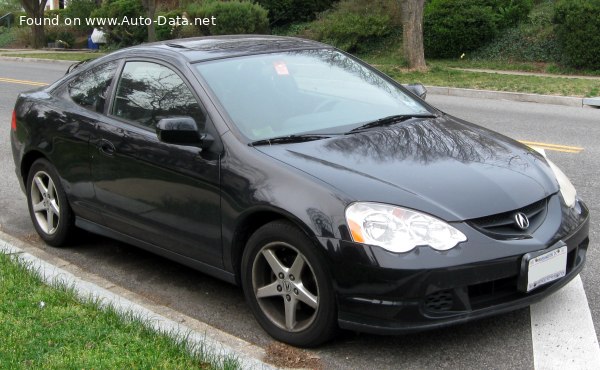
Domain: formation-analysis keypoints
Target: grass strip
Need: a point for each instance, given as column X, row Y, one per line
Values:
column 443, row 76
column 48, row 326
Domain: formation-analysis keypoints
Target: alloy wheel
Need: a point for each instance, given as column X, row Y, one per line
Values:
column 45, row 203
column 285, row 286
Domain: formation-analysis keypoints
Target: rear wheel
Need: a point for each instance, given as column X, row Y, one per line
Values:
column 48, row 206
column 287, row 285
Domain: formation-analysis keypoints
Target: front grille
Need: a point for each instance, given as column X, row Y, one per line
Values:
column 503, row 226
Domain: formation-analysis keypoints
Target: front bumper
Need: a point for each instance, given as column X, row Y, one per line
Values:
column 384, row 293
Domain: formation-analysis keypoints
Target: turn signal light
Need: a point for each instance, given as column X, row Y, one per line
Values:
column 13, row 124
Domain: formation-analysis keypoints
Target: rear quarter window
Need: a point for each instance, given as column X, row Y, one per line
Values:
column 90, row 88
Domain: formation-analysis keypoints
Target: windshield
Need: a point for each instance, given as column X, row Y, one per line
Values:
column 299, row 92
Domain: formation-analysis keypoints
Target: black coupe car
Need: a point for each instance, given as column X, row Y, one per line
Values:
column 333, row 195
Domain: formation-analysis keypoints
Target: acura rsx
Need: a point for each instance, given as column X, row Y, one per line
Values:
column 336, row 197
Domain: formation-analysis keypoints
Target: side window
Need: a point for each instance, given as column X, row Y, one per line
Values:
column 147, row 92
column 90, row 88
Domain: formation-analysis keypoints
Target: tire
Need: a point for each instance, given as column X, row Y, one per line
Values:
column 48, row 205
column 288, row 287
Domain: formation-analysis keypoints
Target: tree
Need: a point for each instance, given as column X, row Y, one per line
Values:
column 35, row 10
column 412, row 33
column 150, row 8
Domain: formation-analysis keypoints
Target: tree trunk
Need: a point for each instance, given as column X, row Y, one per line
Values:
column 150, row 7
column 35, row 10
column 412, row 33
column 39, row 37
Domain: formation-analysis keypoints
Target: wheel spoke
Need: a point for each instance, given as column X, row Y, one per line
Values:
column 297, row 266
column 40, row 185
column 290, row 313
column 39, row 207
column 307, row 297
column 50, row 189
column 273, row 261
column 54, row 207
column 268, row 290
column 50, row 221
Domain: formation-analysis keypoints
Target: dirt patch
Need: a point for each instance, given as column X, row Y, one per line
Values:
column 32, row 238
column 285, row 356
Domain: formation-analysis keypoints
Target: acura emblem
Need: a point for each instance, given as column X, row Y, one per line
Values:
column 521, row 221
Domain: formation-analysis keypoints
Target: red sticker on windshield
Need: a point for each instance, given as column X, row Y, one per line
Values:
column 281, row 68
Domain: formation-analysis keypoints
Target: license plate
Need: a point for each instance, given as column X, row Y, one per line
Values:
column 546, row 267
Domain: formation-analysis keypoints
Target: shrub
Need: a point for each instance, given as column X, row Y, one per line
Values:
column 350, row 30
column 282, row 12
column 81, row 9
column 166, row 31
column 452, row 27
column 51, row 13
column 63, row 35
column 7, row 36
column 354, row 25
column 122, row 35
column 578, row 32
column 22, row 36
column 533, row 40
column 232, row 17
column 510, row 12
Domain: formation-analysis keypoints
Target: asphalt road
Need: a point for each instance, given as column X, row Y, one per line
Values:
column 503, row 342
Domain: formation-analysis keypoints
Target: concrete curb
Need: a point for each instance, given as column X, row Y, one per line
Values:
column 159, row 318
column 513, row 96
column 36, row 60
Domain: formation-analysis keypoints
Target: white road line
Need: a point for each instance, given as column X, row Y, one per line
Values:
column 563, row 332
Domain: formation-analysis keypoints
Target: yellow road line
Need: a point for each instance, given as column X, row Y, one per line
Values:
column 22, row 82
column 555, row 147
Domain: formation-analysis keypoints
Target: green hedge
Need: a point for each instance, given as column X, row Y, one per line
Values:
column 282, row 12
column 355, row 25
column 510, row 12
column 80, row 9
column 452, row 27
column 578, row 31
column 232, row 17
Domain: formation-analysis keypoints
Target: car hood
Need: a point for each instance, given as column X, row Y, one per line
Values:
column 443, row 166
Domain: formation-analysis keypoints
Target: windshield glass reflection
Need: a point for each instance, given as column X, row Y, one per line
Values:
column 316, row 91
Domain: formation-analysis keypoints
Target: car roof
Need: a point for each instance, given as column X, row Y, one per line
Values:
column 216, row 47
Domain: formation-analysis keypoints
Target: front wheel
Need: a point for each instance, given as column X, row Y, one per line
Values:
column 48, row 206
column 287, row 285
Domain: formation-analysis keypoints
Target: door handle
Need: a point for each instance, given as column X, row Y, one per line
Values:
column 106, row 147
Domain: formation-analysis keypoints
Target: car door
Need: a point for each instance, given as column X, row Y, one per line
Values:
column 82, row 103
column 164, row 194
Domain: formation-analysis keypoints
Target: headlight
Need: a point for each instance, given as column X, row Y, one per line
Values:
column 399, row 229
column 567, row 189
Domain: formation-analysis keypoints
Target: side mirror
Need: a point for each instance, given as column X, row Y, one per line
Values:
column 417, row 89
column 178, row 130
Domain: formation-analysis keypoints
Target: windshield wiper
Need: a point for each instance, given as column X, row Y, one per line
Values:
column 389, row 120
column 288, row 139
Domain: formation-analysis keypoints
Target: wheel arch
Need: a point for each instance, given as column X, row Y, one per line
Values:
column 250, row 222
column 28, row 159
